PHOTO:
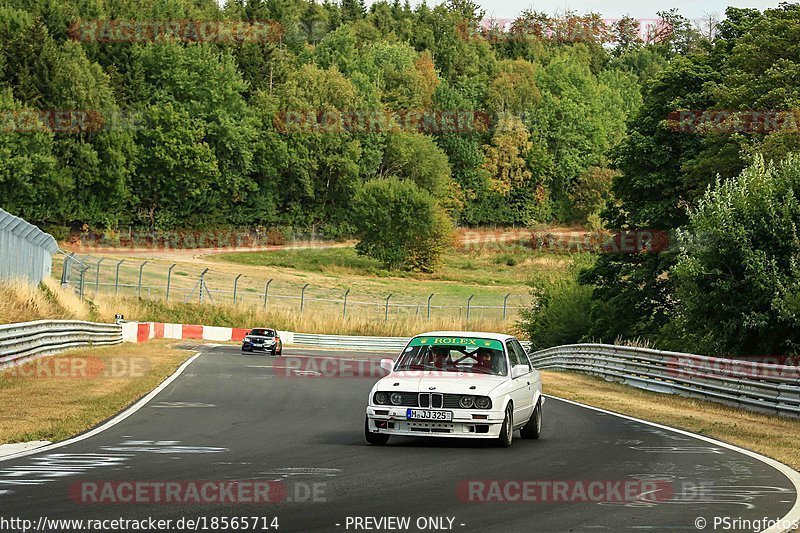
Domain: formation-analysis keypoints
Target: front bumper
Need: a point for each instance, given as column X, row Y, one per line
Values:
column 259, row 347
column 390, row 420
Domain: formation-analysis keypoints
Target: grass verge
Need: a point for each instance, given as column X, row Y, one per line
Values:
column 773, row 436
column 57, row 397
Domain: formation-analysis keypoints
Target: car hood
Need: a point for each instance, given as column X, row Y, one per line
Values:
column 444, row 382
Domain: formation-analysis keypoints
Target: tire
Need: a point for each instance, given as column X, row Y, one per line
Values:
column 507, row 430
column 533, row 429
column 274, row 352
column 375, row 439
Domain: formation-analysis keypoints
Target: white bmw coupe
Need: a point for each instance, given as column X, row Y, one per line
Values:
column 457, row 384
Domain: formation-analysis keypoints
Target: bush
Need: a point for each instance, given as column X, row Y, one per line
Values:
column 400, row 225
column 737, row 280
column 560, row 313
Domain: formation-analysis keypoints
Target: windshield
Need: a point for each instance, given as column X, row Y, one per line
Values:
column 467, row 355
column 263, row 333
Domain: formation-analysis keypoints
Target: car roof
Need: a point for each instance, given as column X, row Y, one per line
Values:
column 479, row 334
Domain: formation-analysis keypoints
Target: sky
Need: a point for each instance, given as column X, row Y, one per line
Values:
column 643, row 9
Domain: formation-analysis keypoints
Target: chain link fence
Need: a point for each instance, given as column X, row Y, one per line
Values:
column 183, row 282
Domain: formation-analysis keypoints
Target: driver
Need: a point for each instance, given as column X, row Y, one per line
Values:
column 484, row 360
column 440, row 356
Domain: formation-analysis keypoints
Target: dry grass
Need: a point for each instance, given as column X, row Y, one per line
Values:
column 20, row 302
column 241, row 316
column 773, row 436
column 38, row 405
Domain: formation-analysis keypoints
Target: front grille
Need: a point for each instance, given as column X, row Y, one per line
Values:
column 429, row 400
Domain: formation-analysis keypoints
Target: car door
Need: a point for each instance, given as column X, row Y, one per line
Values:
column 527, row 385
column 520, row 387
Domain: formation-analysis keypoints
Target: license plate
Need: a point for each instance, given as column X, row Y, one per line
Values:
column 416, row 414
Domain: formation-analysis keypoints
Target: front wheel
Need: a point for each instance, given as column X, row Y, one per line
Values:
column 376, row 439
column 274, row 352
column 507, row 431
column 533, row 429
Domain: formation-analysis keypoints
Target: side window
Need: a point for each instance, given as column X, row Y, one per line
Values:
column 513, row 357
column 521, row 355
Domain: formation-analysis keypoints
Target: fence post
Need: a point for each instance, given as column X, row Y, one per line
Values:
column 139, row 287
column 386, row 316
column 202, row 283
column 169, row 279
column 65, row 271
column 344, row 309
column 303, row 297
column 116, row 280
column 266, row 294
column 505, row 306
column 83, row 275
column 469, row 306
column 236, row 287
column 97, row 275
column 429, row 305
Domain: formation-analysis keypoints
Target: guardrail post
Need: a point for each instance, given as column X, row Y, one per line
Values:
column 344, row 308
column 386, row 316
column 116, row 280
column 266, row 294
column 505, row 306
column 139, row 287
column 429, row 305
column 469, row 306
column 303, row 297
column 236, row 287
column 169, row 280
column 97, row 275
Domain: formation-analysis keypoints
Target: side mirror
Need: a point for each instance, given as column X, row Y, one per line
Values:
column 387, row 364
column 519, row 370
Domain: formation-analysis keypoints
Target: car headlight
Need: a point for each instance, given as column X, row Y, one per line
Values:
column 381, row 398
column 466, row 402
column 396, row 398
column 483, row 402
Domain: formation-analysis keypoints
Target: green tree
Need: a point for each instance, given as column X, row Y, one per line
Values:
column 400, row 224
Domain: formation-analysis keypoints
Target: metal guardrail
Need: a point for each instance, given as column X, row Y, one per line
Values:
column 344, row 342
column 45, row 337
column 768, row 388
column 349, row 342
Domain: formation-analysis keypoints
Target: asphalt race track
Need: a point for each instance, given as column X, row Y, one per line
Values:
column 231, row 416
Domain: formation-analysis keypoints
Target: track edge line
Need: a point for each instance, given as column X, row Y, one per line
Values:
column 792, row 517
